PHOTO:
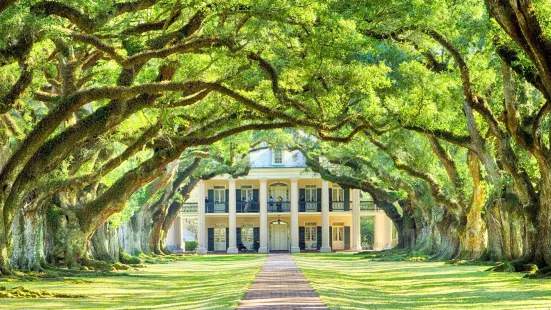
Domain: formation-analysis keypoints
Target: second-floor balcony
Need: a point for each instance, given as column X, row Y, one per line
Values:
column 278, row 207
column 282, row 206
column 216, row 207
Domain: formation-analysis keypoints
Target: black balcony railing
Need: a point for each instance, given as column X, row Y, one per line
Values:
column 339, row 206
column 247, row 207
column 283, row 206
column 216, row 207
column 309, row 206
column 189, row 207
column 368, row 205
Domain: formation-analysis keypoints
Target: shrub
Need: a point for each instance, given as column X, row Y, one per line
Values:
column 126, row 258
column 191, row 246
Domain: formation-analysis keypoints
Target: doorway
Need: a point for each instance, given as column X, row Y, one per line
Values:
column 311, row 236
column 279, row 236
column 220, row 238
column 311, row 198
column 220, row 199
column 279, row 190
column 338, row 236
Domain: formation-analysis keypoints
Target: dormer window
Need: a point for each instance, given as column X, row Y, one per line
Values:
column 277, row 156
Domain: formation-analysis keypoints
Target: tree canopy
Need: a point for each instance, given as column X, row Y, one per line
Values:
column 438, row 109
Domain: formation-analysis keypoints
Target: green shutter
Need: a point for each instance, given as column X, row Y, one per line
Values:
column 330, row 199
column 319, row 199
column 210, row 205
column 227, row 238
column 302, row 204
column 347, row 237
column 331, row 237
column 346, row 199
column 211, row 239
column 238, row 200
column 301, row 239
column 238, row 242
column 319, row 238
column 256, row 238
column 227, row 199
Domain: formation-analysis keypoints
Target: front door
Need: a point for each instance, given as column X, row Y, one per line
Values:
column 247, row 235
column 220, row 238
column 278, row 238
column 338, row 237
column 310, row 236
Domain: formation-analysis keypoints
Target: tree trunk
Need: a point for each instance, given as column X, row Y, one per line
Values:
column 155, row 236
column 450, row 240
column 406, row 228
column 543, row 221
column 69, row 242
column 5, row 246
column 28, row 238
column 102, row 246
column 473, row 241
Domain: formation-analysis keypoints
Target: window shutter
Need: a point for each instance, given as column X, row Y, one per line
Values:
column 346, row 199
column 331, row 237
column 238, row 237
column 330, row 199
column 347, row 237
column 255, row 195
column 319, row 237
column 210, row 206
column 319, row 199
column 238, row 197
column 211, row 239
column 227, row 238
column 256, row 238
column 301, row 205
column 301, row 241
column 227, row 199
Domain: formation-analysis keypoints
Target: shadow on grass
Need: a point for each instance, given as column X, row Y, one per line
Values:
column 198, row 282
column 351, row 282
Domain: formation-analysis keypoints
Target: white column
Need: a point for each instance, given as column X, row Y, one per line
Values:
column 232, row 244
column 263, row 197
column 390, row 228
column 382, row 231
column 294, row 216
column 356, row 231
column 202, row 247
column 325, row 217
column 177, row 226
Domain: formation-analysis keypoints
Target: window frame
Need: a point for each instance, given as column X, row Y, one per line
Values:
column 274, row 157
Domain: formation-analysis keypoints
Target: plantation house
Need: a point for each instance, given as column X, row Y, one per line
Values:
column 279, row 206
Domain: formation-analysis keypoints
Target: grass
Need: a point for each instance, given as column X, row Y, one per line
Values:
column 348, row 281
column 197, row 282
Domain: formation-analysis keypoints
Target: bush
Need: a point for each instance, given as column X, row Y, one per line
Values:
column 191, row 246
column 126, row 258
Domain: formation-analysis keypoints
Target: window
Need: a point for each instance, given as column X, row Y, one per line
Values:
column 246, row 192
column 219, row 194
column 338, row 194
column 277, row 156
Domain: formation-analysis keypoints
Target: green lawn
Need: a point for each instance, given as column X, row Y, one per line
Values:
column 200, row 282
column 346, row 281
